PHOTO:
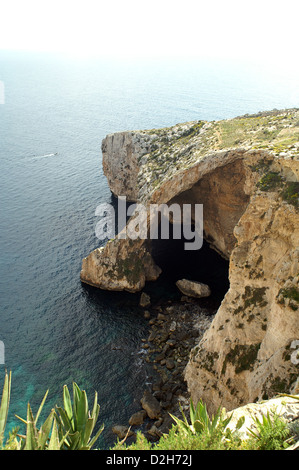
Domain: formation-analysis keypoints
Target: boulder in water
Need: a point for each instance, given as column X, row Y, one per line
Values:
column 193, row 288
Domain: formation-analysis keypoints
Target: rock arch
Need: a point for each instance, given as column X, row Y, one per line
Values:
column 250, row 218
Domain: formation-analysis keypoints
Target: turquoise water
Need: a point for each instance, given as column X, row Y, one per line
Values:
column 56, row 113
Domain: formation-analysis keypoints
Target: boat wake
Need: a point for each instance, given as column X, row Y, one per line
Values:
column 39, row 157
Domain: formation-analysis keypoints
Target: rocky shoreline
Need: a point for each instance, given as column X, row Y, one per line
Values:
column 175, row 329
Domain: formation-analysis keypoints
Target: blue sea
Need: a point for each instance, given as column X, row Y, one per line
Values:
column 57, row 111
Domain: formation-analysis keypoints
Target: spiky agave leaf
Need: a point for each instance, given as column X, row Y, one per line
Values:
column 4, row 407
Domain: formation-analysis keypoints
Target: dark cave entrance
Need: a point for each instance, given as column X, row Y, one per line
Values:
column 204, row 265
column 222, row 193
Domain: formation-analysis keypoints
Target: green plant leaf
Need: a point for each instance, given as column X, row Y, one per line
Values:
column 198, row 426
column 31, row 438
column 184, row 416
column 204, row 415
column 4, row 407
column 215, row 420
column 253, row 433
column 41, row 407
column 74, row 441
column 192, row 412
column 21, row 419
column 95, row 414
column 82, row 413
column 54, row 443
column 96, row 409
column 63, row 419
column 76, row 400
column 88, row 430
column 68, row 404
column 95, row 438
column 44, row 432
column 181, row 424
column 240, row 422
column 227, row 420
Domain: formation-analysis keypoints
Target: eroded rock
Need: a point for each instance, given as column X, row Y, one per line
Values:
column 193, row 288
column 151, row 405
column 145, row 300
column 137, row 418
column 122, row 431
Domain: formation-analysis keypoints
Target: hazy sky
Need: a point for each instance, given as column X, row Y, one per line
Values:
column 266, row 29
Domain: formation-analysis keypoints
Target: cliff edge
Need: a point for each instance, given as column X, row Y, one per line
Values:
column 245, row 173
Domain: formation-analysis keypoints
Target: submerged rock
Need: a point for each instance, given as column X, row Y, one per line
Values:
column 145, row 300
column 151, row 405
column 122, row 431
column 193, row 288
column 170, row 364
column 137, row 418
column 147, row 315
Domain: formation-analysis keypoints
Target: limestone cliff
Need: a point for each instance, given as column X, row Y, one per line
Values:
column 245, row 173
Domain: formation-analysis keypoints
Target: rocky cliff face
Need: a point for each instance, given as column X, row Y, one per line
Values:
column 121, row 152
column 246, row 354
column 245, row 173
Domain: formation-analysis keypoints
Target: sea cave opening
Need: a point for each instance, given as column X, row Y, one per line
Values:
column 224, row 199
column 204, row 265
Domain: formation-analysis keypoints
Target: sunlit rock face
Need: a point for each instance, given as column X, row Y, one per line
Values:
column 245, row 173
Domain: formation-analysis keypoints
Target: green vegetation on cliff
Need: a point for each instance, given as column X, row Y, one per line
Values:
column 182, row 146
